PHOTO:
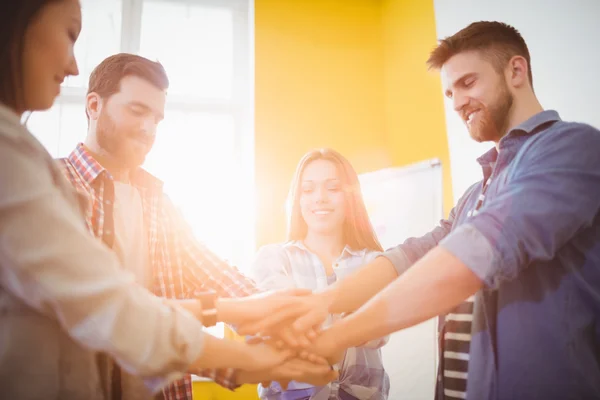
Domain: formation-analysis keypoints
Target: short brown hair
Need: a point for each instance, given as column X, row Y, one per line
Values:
column 106, row 78
column 358, row 231
column 497, row 41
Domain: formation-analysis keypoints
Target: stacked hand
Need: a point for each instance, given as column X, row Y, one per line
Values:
column 287, row 343
column 290, row 321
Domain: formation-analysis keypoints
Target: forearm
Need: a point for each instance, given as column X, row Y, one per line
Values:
column 434, row 285
column 220, row 353
column 355, row 290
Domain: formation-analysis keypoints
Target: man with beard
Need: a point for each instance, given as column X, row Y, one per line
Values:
column 126, row 208
column 522, row 246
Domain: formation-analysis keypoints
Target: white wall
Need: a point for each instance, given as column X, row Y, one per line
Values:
column 563, row 37
column 404, row 202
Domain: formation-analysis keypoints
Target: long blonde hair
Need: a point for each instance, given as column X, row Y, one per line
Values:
column 358, row 231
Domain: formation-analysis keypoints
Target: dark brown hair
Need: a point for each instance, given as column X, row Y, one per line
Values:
column 106, row 78
column 358, row 231
column 498, row 42
column 15, row 18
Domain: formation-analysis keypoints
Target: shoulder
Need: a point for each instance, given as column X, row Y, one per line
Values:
column 367, row 256
column 567, row 135
column 565, row 142
column 272, row 250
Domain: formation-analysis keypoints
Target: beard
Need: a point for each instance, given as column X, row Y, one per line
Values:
column 128, row 148
column 492, row 122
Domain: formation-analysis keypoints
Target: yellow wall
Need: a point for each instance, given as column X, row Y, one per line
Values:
column 347, row 74
column 319, row 83
column 414, row 108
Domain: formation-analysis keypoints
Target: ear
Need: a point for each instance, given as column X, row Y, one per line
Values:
column 518, row 72
column 93, row 105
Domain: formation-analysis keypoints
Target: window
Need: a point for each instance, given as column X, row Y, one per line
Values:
column 204, row 148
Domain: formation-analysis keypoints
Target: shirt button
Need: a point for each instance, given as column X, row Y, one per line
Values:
column 108, row 202
column 108, row 232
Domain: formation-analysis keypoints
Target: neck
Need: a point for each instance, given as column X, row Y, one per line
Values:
column 325, row 245
column 523, row 108
column 118, row 172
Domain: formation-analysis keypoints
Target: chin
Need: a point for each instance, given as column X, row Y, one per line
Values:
column 42, row 104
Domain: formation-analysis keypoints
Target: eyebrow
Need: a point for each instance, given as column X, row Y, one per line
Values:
column 326, row 180
column 463, row 78
column 146, row 107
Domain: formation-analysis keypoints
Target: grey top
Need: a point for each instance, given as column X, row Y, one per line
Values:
column 63, row 294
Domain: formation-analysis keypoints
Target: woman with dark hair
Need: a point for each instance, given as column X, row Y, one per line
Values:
column 63, row 295
column 329, row 237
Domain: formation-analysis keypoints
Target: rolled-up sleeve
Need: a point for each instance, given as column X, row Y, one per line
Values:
column 49, row 261
column 411, row 250
column 551, row 195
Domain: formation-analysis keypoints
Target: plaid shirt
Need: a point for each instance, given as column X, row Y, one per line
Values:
column 292, row 264
column 180, row 265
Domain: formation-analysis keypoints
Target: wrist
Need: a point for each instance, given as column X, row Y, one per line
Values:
column 225, row 308
column 243, row 377
column 330, row 297
column 208, row 303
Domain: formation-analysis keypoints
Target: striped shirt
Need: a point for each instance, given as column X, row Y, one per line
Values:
column 179, row 265
column 457, row 340
column 457, row 333
column 291, row 264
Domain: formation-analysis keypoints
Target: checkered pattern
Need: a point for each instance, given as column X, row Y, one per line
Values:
column 181, row 266
column 292, row 264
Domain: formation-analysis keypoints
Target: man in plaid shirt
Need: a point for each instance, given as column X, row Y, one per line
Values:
column 126, row 208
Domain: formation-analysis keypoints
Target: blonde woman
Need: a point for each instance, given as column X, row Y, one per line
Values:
column 329, row 237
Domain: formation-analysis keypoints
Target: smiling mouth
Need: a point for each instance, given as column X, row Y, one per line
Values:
column 322, row 212
column 470, row 116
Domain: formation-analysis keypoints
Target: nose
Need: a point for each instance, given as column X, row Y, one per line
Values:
column 72, row 68
column 459, row 101
column 149, row 125
column 322, row 196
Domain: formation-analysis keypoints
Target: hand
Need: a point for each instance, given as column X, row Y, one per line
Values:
column 286, row 336
column 292, row 370
column 262, row 356
column 308, row 312
column 306, row 355
column 273, row 307
column 327, row 345
column 192, row 306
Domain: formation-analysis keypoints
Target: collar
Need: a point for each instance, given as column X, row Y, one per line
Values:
column 526, row 128
column 90, row 169
column 346, row 252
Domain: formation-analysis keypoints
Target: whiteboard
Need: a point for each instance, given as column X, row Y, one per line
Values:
column 404, row 202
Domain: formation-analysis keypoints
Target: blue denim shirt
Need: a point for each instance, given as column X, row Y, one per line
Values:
column 535, row 244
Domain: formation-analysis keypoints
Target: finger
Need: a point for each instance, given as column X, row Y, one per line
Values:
column 266, row 324
column 305, row 367
column 315, row 359
column 287, row 335
column 297, row 292
column 309, row 320
column 313, row 332
column 266, row 384
column 303, row 341
column 284, row 384
column 254, row 340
